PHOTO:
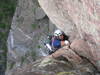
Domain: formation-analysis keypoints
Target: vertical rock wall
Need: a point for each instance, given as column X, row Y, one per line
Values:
column 83, row 15
column 28, row 25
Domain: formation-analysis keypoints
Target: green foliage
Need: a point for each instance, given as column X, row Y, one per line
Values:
column 2, row 34
column 33, row 54
column 2, row 25
column 38, row 46
column 8, row 5
column 11, row 65
column 34, row 26
column 34, row 9
column 22, row 59
column 7, row 8
column 3, row 37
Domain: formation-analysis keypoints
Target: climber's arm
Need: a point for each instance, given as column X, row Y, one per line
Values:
column 60, row 51
column 65, row 43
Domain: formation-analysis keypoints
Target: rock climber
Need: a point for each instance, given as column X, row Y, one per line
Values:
column 59, row 46
column 58, row 40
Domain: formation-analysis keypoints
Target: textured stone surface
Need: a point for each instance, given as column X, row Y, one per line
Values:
column 81, row 47
column 50, row 67
column 81, row 14
column 25, row 33
column 80, row 19
column 52, row 27
column 39, row 13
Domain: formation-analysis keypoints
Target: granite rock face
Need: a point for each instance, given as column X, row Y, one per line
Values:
column 79, row 19
column 39, row 13
column 82, row 16
column 29, row 24
column 47, row 66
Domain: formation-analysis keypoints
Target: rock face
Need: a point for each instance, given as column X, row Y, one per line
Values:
column 79, row 19
column 39, row 13
column 53, row 67
column 29, row 24
column 80, row 15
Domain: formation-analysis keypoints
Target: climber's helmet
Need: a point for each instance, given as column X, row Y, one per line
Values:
column 58, row 32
